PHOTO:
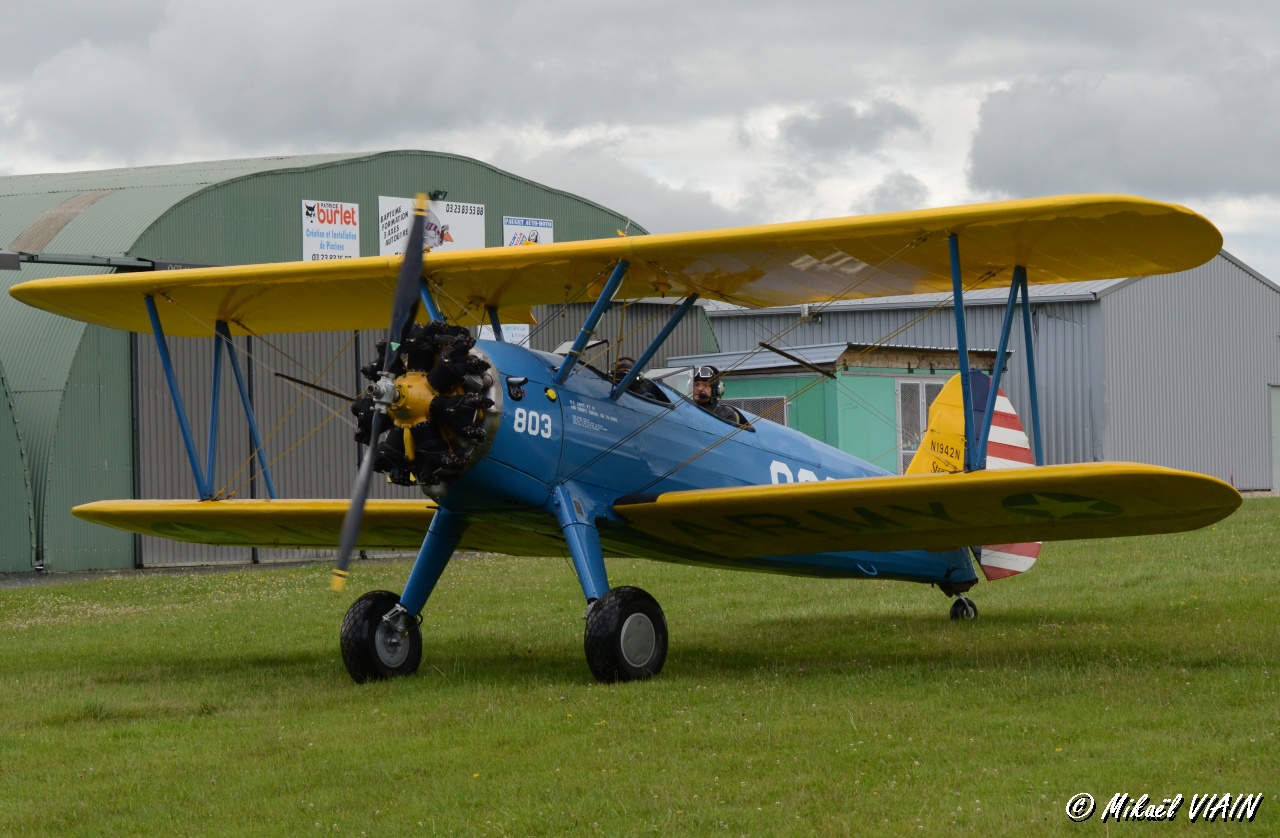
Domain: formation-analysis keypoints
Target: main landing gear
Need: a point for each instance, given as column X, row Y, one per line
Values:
column 626, row 636
column 380, row 639
column 626, row 632
column 964, row 609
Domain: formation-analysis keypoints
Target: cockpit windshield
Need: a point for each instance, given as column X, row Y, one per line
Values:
column 679, row 379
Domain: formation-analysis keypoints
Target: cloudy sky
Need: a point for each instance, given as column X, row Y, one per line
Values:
column 685, row 115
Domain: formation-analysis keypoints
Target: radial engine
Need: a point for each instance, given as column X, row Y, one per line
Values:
column 443, row 405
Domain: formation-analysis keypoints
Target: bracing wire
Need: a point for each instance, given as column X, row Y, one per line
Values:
column 304, row 393
column 254, row 358
column 333, row 414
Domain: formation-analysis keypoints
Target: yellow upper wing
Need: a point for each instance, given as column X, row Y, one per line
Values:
column 1060, row 239
column 935, row 511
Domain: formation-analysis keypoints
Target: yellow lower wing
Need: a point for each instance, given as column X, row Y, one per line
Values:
column 936, row 512
column 931, row 512
column 387, row 524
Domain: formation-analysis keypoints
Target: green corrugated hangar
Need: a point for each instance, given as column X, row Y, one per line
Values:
column 84, row 411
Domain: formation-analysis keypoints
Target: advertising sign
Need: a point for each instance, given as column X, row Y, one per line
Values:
column 516, row 231
column 330, row 230
column 451, row 225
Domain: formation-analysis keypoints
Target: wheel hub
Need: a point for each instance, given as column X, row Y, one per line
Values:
column 638, row 639
column 390, row 643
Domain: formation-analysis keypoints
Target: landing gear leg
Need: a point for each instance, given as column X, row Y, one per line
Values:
column 626, row 632
column 964, row 609
column 380, row 635
column 437, row 548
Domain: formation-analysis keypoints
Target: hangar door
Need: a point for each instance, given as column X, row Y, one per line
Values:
column 1275, row 438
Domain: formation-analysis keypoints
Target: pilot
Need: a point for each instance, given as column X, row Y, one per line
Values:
column 640, row 386
column 708, row 388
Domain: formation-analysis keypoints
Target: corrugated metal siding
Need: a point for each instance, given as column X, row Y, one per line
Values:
column 68, row 426
column 1189, row 359
column 37, row 350
column 633, row 326
column 1167, row 370
column 91, row 457
column 52, row 400
column 110, row 226
column 324, row 462
column 51, row 222
column 309, row 434
column 17, row 518
column 1069, row 379
column 181, row 174
column 164, row 468
column 19, row 213
column 921, row 326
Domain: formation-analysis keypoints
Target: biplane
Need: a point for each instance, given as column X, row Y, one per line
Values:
column 508, row 449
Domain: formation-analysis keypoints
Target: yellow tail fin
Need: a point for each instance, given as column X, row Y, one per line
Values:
column 941, row 451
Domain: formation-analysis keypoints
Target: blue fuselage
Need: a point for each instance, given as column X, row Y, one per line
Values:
column 601, row 449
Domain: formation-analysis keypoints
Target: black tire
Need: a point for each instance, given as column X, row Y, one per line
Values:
column 372, row 649
column 964, row 609
column 626, row 636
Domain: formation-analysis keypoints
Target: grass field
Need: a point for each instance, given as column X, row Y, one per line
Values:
column 216, row 703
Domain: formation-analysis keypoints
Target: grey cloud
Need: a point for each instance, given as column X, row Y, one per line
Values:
column 142, row 80
column 779, row 194
column 1182, row 135
column 594, row 173
column 34, row 31
column 897, row 192
column 837, row 127
column 99, row 103
column 317, row 73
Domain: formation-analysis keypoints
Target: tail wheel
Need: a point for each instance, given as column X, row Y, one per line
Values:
column 374, row 649
column 964, row 609
column 626, row 636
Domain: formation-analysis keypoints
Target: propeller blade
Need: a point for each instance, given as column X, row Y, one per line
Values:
column 355, row 512
column 404, row 305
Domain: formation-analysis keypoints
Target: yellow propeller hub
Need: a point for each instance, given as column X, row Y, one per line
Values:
column 412, row 404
